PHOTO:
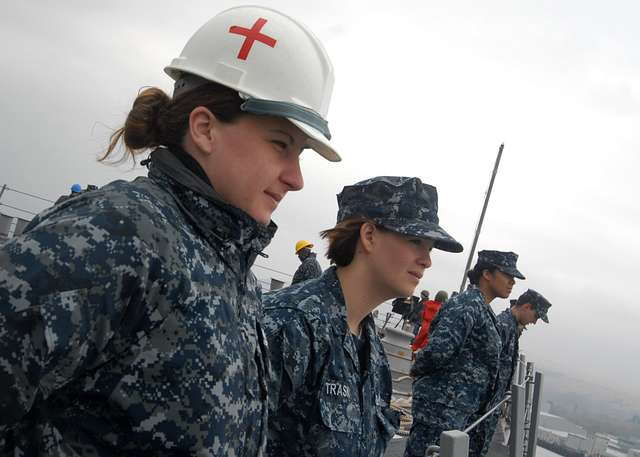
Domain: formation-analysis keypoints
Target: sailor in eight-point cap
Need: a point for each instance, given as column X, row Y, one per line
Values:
column 330, row 389
column 527, row 309
column 455, row 374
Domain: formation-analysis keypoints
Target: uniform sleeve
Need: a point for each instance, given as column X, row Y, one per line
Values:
column 316, row 269
column 64, row 287
column 503, row 327
column 448, row 333
column 508, row 358
column 298, row 276
column 290, row 353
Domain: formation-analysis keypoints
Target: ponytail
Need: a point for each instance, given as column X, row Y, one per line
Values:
column 156, row 119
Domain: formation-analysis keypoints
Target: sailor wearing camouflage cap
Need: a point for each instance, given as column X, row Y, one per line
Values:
column 535, row 303
column 403, row 205
column 503, row 261
column 524, row 310
column 331, row 384
column 455, row 374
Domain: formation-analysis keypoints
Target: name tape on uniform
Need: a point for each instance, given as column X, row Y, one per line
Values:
column 337, row 389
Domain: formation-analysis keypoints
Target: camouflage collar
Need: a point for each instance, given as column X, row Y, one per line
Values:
column 216, row 218
column 338, row 309
column 475, row 290
column 338, row 318
column 512, row 319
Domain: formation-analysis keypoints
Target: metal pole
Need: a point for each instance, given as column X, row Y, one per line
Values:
column 484, row 210
column 454, row 443
column 487, row 414
column 522, row 369
column 4, row 187
column 527, row 409
column 516, row 436
column 532, row 444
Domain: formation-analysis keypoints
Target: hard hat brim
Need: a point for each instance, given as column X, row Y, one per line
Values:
column 317, row 141
column 306, row 245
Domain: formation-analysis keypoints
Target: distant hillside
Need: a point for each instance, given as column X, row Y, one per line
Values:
column 595, row 407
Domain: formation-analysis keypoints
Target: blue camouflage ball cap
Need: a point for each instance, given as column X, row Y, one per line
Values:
column 540, row 303
column 503, row 261
column 400, row 204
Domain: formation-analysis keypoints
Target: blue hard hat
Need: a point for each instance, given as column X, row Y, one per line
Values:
column 76, row 188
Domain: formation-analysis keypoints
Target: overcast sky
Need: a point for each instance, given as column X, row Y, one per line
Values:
column 421, row 90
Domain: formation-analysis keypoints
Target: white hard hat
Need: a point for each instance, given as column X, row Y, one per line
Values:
column 275, row 63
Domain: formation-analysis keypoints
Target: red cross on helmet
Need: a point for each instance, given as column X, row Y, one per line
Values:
column 275, row 63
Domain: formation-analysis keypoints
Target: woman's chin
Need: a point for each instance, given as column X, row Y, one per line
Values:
column 261, row 215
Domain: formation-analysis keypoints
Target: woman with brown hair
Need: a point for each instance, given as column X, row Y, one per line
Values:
column 331, row 384
column 129, row 317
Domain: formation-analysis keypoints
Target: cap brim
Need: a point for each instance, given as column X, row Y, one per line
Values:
column 420, row 229
column 512, row 272
column 317, row 141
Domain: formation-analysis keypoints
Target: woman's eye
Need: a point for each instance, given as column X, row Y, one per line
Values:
column 280, row 144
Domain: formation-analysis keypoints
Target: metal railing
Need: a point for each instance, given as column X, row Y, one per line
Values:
column 10, row 224
column 526, row 391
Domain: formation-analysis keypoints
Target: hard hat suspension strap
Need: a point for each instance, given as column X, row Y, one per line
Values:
column 290, row 110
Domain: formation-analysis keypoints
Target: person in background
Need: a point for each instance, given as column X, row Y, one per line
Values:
column 526, row 310
column 431, row 308
column 330, row 390
column 455, row 374
column 130, row 319
column 424, row 298
column 309, row 267
column 76, row 189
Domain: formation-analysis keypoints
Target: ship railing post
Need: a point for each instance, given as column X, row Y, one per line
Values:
column 535, row 415
column 527, row 410
column 453, row 443
column 522, row 369
column 516, row 438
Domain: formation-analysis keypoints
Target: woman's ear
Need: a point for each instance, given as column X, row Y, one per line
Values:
column 202, row 130
column 368, row 236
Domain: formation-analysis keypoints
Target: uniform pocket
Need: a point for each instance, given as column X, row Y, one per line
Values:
column 339, row 406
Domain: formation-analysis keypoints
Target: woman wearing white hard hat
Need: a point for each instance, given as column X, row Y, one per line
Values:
column 129, row 314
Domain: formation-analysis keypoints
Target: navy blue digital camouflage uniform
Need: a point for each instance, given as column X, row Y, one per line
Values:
column 130, row 324
column 455, row 374
column 308, row 269
column 323, row 401
column 320, row 403
column 480, row 438
column 508, row 330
